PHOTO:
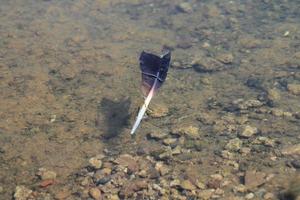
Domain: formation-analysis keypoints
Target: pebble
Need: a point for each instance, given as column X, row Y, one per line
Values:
column 46, row 183
column 264, row 141
column 114, row 197
column 169, row 141
column 63, row 194
column 287, row 114
column 177, row 150
column 126, row 160
column 226, row 58
column 240, row 188
column 45, row 174
column 249, row 196
column 215, row 181
column 95, row 193
column 291, row 150
column 219, row 191
column 207, row 64
column 53, row 118
column 251, row 103
column 248, row 131
column 269, row 195
column 95, row 162
column 185, row 7
column 165, row 155
column 152, row 172
column 190, row 131
column 273, row 94
column 206, row 194
column 277, row 112
column 158, row 188
column 254, row 179
column 218, row 177
column 234, row 144
column 22, row 193
column 132, row 187
column 180, row 65
column 294, row 89
column 175, row 183
column 106, row 171
column 200, row 185
column 187, row 185
column 85, row 181
column 227, row 154
column 176, row 64
column 162, row 168
column 157, row 134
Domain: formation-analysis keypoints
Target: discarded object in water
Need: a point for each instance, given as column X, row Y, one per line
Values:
column 154, row 72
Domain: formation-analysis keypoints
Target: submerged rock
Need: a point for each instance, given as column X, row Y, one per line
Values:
column 96, row 162
column 45, row 174
column 254, row 179
column 190, row 130
column 95, row 193
column 264, row 141
column 132, row 187
column 157, row 134
column 248, row 131
column 22, row 193
column 169, row 141
column 187, row 185
column 207, row 64
column 185, row 7
column 294, row 89
column 225, row 58
column 234, row 144
column 273, row 94
column 162, row 168
column 291, row 150
column 206, row 194
column 128, row 161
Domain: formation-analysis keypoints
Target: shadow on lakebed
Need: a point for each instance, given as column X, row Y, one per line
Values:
column 116, row 116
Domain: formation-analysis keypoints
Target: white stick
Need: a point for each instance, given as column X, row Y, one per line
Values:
column 143, row 108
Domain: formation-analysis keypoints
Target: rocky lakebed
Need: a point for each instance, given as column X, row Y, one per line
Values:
column 225, row 124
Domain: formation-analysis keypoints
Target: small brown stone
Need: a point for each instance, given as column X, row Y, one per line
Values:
column 128, row 161
column 187, row 185
column 291, row 150
column 225, row 58
column 63, row 194
column 132, row 187
column 294, row 89
column 95, row 193
column 46, row 183
column 254, row 179
column 213, row 183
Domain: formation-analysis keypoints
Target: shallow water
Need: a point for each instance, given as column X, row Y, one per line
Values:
column 70, row 88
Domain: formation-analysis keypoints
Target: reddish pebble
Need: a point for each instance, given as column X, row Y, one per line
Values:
column 46, row 183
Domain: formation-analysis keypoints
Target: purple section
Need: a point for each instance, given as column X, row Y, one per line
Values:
column 153, row 67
